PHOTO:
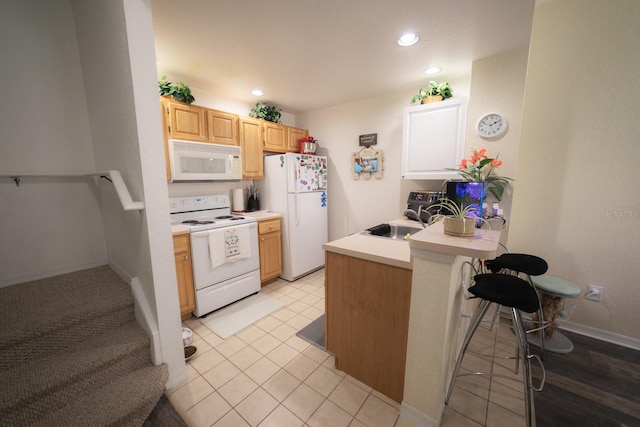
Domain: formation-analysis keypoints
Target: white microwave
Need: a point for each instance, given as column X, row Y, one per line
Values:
column 198, row 161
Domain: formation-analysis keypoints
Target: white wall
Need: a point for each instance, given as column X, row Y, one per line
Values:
column 497, row 86
column 355, row 205
column 49, row 226
column 117, row 51
column 577, row 202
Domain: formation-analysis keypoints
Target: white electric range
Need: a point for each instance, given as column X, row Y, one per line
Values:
column 224, row 250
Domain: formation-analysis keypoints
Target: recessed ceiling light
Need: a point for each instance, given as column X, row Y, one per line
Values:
column 408, row 39
column 257, row 92
column 432, row 70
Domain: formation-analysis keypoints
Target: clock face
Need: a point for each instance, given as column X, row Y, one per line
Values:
column 491, row 125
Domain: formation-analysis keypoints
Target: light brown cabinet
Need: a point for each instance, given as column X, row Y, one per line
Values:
column 184, row 121
column 367, row 320
column 222, row 128
column 275, row 137
column 184, row 274
column 293, row 135
column 251, row 144
column 270, row 244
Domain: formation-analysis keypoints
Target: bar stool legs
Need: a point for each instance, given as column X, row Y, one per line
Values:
column 516, row 294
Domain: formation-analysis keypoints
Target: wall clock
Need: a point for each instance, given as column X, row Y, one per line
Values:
column 491, row 126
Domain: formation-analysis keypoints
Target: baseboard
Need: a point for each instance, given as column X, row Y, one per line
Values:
column 622, row 340
column 417, row 417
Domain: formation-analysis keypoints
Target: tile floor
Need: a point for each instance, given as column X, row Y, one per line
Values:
column 266, row 376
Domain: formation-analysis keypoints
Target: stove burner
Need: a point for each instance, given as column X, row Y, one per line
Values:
column 196, row 222
column 236, row 218
column 224, row 217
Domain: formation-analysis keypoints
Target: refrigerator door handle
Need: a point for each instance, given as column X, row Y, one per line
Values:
column 295, row 204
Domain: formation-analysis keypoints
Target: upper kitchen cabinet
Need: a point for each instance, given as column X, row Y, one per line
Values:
column 251, row 143
column 184, row 121
column 433, row 137
column 222, row 128
column 293, row 135
column 275, row 137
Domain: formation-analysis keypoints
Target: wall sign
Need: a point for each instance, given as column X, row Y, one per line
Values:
column 368, row 139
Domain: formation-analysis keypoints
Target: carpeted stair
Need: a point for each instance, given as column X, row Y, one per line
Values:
column 71, row 353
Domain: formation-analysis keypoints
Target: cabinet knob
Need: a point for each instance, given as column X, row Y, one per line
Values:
column 271, row 227
column 186, row 257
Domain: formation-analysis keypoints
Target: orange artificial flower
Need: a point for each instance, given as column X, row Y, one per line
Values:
column 495, row 163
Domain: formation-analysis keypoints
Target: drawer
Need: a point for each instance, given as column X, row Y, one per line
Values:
column 269, row 226
column 181, row 243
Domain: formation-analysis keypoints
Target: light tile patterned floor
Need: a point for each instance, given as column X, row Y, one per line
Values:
column 266, row 376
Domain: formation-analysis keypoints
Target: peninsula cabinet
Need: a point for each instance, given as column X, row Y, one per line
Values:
column 184, row 274
column 270, row 246
column 184, row 121
column 222, row 128
column 367, row 320
column 433, row 137
column 251, row 144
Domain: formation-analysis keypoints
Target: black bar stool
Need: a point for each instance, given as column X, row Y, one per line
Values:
column 509, row 291
column 529, row 265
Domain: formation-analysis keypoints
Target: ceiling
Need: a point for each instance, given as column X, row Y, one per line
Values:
column 310, row 54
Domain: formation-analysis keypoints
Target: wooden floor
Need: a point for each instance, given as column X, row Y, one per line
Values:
column 597, row 384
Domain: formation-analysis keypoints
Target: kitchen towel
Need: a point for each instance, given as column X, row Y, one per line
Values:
column 229, row 245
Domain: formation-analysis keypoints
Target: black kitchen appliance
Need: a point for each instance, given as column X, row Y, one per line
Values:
column 420, row 202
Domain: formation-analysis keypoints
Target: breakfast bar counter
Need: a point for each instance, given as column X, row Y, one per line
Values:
column 435, row 329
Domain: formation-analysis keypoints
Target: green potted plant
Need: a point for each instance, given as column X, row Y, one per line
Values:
column 458, row 220
column 433, row 93
column 266, row 112
column 178, row 91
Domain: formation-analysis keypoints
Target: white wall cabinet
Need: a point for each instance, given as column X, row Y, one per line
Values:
column 433, row 138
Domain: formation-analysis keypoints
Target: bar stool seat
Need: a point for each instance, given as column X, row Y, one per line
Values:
column 553, row 290
column 508, row 291
column 531, row 266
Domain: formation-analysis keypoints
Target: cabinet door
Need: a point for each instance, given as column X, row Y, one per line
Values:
column 275, row 137
column 251, row 144
column 270, row 256
column 222, row 128
column 293, row 135
column 184, row 275
column 433, row 137
column 185, row 121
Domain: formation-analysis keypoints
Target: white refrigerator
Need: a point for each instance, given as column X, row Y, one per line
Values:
column 295, row 185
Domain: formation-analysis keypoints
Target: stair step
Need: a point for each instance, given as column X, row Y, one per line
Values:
column 63, row 310
column 125, row 401
column 52, row 381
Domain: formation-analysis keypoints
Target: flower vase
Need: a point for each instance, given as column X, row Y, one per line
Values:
column 460, row 227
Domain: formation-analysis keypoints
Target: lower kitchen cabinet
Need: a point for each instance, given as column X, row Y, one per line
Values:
column 184, row 274
column 367, row 320
column 270, row 243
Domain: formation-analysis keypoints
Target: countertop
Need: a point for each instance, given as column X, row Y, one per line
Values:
column 260, row 215
column 482, row 245
column 376, row 249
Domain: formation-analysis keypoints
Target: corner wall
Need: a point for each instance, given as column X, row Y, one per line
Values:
column 577, row 202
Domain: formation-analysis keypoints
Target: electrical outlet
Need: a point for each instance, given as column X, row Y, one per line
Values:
column 594, row 293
